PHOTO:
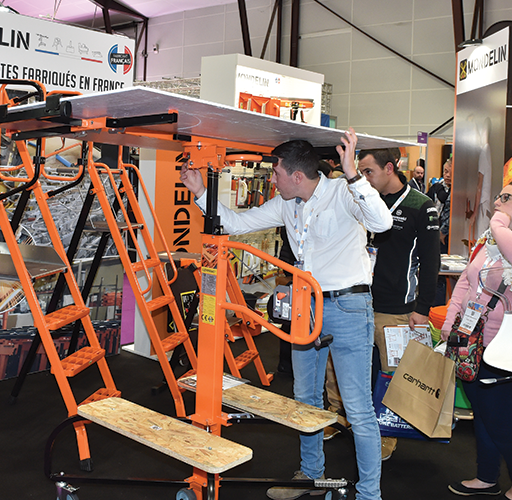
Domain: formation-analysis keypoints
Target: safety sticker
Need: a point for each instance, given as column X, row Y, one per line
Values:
column 208, row 281
column 207, row 310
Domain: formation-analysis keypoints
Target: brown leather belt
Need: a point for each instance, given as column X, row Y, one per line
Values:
column 345, row 291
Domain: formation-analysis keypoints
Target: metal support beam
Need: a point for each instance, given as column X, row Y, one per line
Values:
column 279, row 32
column 458, row 23
column 478, row 20
column 269, row 29
column 118, row 7
column 294, row 34
column 245, row 27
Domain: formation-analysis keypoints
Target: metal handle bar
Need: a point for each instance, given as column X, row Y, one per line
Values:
column 109, row 172
column 298, row 277
column 157, row 225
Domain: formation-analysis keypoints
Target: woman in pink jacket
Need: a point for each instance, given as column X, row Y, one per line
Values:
column 492, row 404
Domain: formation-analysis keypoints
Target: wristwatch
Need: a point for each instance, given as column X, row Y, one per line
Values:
column 354, row 179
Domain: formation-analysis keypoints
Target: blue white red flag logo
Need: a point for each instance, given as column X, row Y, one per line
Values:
column 119, row 60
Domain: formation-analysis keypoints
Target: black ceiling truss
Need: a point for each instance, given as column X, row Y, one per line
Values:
column 108, row 5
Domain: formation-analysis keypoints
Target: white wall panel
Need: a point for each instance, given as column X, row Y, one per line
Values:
column 434, row 105
column 313, row 50
column 379, row 109
column 367, row 12
column 433, row 35
column 203, row 30
column 338, row 75
column 192, row 57
column 380, row 75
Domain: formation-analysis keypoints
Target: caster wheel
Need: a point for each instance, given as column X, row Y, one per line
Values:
column 66, row 491
column 186, row 494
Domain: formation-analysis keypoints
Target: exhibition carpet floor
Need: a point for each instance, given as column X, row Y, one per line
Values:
column 418, row 470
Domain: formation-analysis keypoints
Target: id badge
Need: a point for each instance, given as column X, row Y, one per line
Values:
column 471, row 317
column 299, row 264
column 372, row 253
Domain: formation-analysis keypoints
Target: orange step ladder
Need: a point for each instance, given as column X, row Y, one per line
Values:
column 27, row 263
column 241, row 324
column 147, row 276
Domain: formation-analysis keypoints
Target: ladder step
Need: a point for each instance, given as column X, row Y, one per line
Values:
column 81, row 359
column 190, row 373
column 245, row 358
column 160, row 302
column 172, row 341
column 101, row 394
column 65, row 316
column 150, row 263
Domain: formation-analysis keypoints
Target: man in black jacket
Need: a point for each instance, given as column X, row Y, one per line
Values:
column 406, row 256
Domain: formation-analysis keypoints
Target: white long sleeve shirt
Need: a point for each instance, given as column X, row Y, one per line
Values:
column 334, row 248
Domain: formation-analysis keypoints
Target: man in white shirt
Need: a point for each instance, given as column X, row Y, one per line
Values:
column 326, row 222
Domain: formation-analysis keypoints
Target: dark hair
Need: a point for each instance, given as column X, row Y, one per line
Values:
column 382, row 157
column 324, row 167
column 298, row 155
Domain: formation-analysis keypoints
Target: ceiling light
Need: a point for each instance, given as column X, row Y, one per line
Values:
column 470, row 43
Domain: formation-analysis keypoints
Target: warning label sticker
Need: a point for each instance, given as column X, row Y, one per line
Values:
column 208, row 280
column 208, row 309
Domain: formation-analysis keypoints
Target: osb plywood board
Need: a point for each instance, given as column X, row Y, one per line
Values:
column 184, row 442
column 277, row 408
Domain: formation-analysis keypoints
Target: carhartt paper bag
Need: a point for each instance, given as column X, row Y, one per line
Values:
column 422, row 390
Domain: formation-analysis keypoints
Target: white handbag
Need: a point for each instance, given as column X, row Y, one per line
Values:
column 499, row 351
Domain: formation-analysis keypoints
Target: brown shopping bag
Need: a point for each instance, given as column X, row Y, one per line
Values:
column 422, row 390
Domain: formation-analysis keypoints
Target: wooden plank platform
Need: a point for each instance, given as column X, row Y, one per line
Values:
column 189, row 444
column 280, row 409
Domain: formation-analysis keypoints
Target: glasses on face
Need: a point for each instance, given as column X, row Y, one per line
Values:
column 504, row 197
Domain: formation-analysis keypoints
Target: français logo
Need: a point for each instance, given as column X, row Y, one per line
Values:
column 120, row 59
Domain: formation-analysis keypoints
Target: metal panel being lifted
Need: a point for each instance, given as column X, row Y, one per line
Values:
column 195, row 118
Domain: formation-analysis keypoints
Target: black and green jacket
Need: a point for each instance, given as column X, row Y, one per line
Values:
column 408, row 255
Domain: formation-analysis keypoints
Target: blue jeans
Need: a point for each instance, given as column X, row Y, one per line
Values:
column 349, row 319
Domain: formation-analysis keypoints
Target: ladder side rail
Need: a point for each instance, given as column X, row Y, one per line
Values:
column 159, row 270
column 157, row 225
column 31, row 179
column 126, row 186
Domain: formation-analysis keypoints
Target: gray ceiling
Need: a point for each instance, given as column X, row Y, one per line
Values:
column 80, row 11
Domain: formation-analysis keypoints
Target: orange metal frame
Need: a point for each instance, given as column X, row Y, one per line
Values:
column 215, row 269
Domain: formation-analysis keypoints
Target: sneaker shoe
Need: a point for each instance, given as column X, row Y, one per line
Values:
column 460, row 489
column 290, row 492
column 330, row 432
column 388, row 447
